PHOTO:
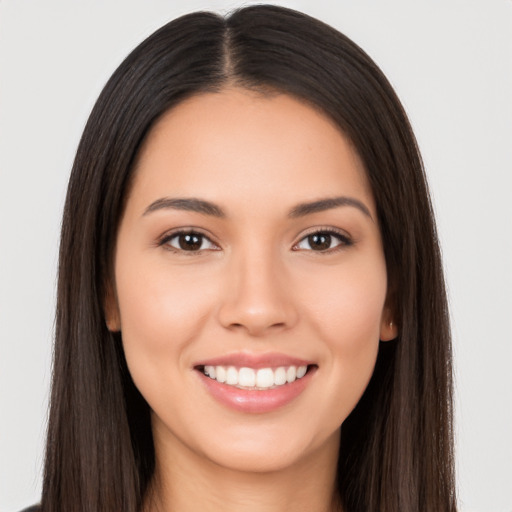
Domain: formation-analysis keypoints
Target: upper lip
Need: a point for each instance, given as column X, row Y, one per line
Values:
column 264, row 360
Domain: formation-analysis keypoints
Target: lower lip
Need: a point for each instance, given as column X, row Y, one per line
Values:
column 256, row 401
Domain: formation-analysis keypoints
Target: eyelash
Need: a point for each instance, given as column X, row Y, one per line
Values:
column 164, row 241
column 344, row 241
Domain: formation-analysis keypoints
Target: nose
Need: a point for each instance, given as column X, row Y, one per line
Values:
column 257, row 298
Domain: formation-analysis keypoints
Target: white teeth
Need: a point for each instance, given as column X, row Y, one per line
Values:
column 247, row 377
column 210, row 371
column 232, row 376
column 301, row 371
column 265, row 378
column 221, row 374
column 280, row 376
column 262, row 378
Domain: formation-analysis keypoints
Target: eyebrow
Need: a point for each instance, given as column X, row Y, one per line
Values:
column 193, row 204
column 190, row 204
column 329, row 203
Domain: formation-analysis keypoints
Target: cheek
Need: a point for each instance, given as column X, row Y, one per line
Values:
column 161, row 313
column 346, row 312
column 347, row 304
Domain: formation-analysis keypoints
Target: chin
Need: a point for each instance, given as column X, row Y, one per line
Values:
column 263, row 452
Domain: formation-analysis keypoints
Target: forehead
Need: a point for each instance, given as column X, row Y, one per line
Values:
column 254, row 146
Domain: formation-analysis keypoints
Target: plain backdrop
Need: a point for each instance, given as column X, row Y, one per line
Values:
column 450, row 62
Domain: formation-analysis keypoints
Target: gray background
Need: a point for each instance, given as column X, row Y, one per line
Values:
column 450, row 62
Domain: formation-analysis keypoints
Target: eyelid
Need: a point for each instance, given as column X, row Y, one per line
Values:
column 163, row 240
column 345, row 239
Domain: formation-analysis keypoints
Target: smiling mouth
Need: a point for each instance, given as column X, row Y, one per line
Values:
column 261, row 379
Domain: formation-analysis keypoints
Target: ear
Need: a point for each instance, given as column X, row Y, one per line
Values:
column 388, row 329
column 111, row 309
column 388, row 322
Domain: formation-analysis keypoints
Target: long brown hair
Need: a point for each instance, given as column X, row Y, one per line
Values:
column 396, row 446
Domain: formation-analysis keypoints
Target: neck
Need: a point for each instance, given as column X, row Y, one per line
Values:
column 186, row 482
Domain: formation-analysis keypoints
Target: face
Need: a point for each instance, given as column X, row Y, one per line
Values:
column 250, row 282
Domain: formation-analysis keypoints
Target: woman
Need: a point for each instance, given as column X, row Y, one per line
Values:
column 251, row 309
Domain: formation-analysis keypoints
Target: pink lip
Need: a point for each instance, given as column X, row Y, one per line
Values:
column 251, row 400
column 244, row 359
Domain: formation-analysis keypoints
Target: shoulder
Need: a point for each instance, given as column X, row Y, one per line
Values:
column 35, row 508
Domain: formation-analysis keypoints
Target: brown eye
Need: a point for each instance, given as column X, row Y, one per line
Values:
column 320, row 241
column 323, row 241
column 190, row 242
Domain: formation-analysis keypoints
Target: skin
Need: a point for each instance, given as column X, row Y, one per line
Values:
column 256, row 285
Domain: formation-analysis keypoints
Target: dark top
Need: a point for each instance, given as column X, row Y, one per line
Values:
column 35, row 508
